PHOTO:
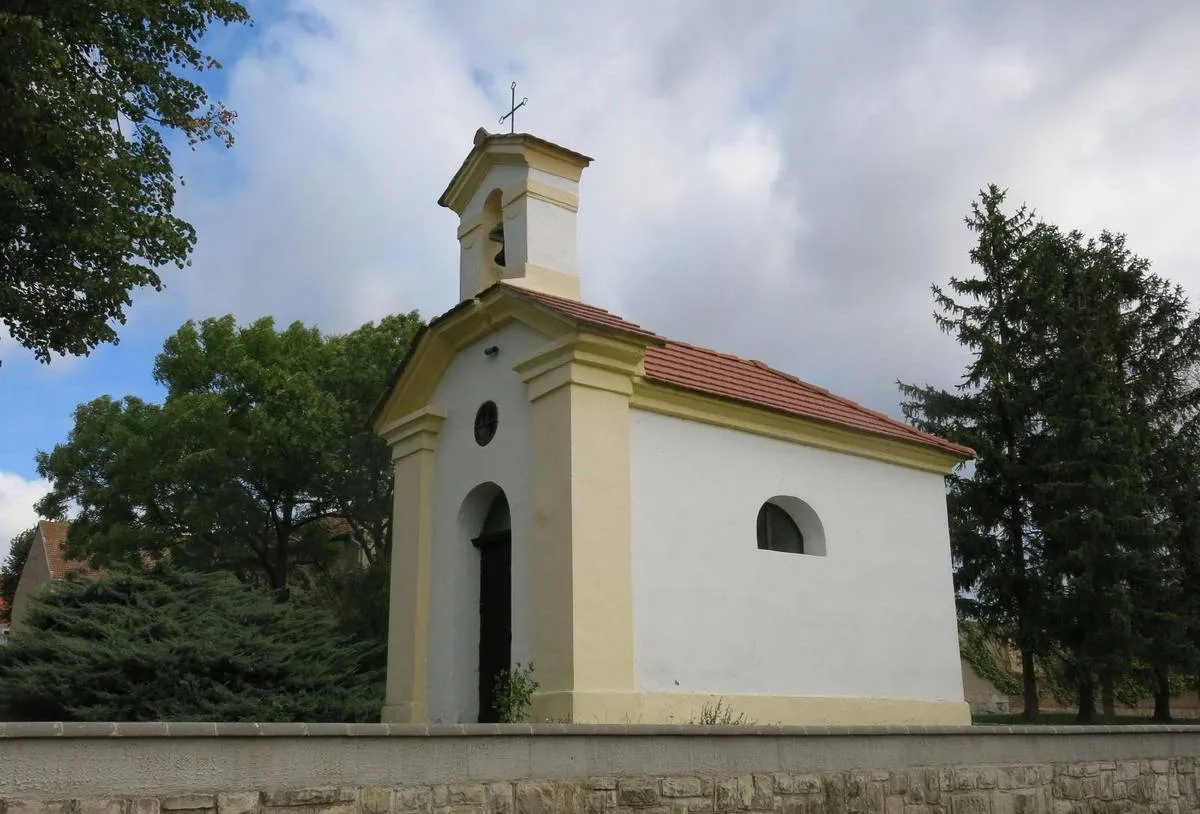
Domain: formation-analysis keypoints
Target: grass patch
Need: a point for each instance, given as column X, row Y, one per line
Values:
column 720, row 715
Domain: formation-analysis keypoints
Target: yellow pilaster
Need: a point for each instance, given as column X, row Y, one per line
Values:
column 583, row 599
column 413, row 440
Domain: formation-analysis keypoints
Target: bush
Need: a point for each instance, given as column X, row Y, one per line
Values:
column 514, row 693
column 171, row 645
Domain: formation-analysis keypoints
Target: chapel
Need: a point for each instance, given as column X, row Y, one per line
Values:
column 656, row 527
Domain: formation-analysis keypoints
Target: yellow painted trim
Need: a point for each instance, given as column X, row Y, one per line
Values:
column 524, row 152
column 546, row 280
column 659, row 398
column 574, row 375
column 414, row 432
column 543, row 192
column 440, row 345
column 468, row 224
column 413, row 440
column 581, row 359
column 582, row 592
column 684, row 708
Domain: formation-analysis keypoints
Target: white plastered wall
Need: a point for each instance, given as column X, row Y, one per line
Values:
column 462, row 465
column 872, row 618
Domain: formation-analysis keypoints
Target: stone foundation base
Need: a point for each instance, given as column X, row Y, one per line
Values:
column 1126, row 787
column 768, row 710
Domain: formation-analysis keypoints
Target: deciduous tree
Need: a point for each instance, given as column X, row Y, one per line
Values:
column 260, row 441
column 90, row 93
column 10, row 571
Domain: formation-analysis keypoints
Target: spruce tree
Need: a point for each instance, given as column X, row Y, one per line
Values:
column 1091, row 499
column 1114, row 492
column 1078, row 532
column 995, row 547
column 1164, row 402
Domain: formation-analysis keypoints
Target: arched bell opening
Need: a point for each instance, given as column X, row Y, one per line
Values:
column 494, row 221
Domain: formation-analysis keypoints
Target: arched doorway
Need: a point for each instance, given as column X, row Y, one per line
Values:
column 495, row 603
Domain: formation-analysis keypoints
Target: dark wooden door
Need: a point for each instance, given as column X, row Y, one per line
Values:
column 495, row 618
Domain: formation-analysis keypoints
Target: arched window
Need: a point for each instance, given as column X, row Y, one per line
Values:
column 777, row 531
column 790, row 525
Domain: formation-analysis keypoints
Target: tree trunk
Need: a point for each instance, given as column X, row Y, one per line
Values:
column 1087, row 700
column 1108, row 698
column 1029, row 682
column 1162, row 695
column 279, row 575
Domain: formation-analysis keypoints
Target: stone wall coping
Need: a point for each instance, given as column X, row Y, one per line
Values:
column 68, row 730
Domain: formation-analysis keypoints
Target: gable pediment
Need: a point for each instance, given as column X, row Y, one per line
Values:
column 443, row 339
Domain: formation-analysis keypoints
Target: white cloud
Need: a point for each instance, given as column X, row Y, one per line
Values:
column 784, row 184
column 17, row 496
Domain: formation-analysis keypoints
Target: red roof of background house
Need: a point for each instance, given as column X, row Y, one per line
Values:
column 54, row 535
column 3, row 609
column 748, row 381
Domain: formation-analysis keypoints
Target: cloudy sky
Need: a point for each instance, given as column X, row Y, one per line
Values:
column 781, row 180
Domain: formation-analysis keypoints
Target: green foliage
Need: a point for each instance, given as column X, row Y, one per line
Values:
column 720, row 714
column 976, row 649
column 514, row 693
column 90, row 93
column 358, row 599
column 993, row 411
column 1117, row 393
column 260, row 443
column 10, row 572
column 1077, row 531
column 169, row 645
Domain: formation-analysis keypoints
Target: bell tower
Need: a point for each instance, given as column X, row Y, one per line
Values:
column 517, row 201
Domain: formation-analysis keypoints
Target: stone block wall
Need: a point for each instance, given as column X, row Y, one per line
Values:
column 1150, row 786
column 569, row 770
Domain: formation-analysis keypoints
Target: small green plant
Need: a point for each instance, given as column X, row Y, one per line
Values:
column 719, row 714
column 514, row 693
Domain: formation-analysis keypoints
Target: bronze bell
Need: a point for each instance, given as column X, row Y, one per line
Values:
column 497, row 235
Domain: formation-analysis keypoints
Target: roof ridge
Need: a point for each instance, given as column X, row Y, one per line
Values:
column 736, row 358
column 716, row 373
column 884, row 416
column 763, row 365
column 908, row 430
column 856, row 405
column 542, row 295
column 573, row 309
column 849, row 402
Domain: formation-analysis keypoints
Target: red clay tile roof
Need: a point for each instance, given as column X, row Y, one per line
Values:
column 700, row 370
column 577, row 311
column 581, row 312
column 752, row 382
column 54, row 536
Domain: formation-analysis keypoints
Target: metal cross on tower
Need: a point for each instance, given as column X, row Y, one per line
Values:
column 511, row 114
